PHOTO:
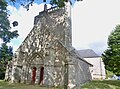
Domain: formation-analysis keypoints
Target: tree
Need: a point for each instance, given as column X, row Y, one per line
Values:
column 6, row 35
column 111, row 56
column 5, row 55
column 27, row 3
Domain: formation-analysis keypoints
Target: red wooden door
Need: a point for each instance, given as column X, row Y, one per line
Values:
column 41, row 75
column 33, row 75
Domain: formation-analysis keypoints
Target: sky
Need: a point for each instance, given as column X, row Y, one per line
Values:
column 92, row 22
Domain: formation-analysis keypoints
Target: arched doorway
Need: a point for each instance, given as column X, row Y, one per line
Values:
column 37, row 62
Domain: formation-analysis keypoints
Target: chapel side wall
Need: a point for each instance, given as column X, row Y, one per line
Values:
column 79, row 72
column 83, row 72
column 86, row 71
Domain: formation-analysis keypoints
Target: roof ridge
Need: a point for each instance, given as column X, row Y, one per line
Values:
column 87, row 53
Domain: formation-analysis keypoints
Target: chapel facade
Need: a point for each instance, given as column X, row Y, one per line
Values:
column 46, row 56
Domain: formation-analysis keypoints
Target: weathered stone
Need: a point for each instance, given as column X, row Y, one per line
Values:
column 49, row 44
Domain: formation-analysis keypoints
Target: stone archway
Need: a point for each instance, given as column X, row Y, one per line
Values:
column 37, row 61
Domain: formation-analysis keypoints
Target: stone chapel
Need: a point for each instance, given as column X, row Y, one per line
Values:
column 46, row 56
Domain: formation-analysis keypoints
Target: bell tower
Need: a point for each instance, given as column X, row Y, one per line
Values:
column 58, row 21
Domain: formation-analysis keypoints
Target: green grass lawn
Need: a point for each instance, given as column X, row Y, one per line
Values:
column 7, row 85
column 106, row 84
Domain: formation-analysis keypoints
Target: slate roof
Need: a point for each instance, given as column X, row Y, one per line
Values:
column 87, row 53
